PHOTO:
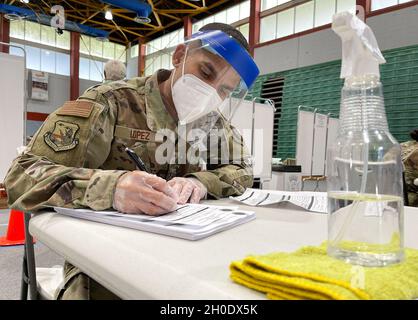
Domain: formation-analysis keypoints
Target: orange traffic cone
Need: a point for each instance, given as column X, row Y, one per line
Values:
column 15, row 230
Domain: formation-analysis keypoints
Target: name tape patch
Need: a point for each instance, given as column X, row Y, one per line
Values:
column 134, row 134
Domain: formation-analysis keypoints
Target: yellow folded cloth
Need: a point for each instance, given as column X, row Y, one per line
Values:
column 309, row 273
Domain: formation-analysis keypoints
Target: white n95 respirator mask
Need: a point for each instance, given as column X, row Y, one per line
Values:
column 193, row 98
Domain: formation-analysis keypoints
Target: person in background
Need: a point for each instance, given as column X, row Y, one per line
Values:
column 114, row 70
column 410, row 163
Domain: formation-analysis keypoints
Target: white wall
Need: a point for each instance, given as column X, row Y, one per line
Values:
column 393, row 30
column 12, row 82
column 396, row 29
column 85, row 84
column 59, row 92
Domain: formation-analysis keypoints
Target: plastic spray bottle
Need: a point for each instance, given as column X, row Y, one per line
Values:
column 365, row 204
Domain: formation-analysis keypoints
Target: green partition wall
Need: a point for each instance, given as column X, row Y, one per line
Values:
column 319, row 86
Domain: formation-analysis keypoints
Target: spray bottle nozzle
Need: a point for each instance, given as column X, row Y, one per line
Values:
column 361, row 53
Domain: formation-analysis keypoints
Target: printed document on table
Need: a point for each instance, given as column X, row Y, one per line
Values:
column 311, row 201
column 191, row 221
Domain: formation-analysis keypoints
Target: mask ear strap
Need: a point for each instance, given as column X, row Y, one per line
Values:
column 184, row 61
column 182, row 68
column 172, row 78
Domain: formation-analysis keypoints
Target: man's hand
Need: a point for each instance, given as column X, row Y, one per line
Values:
column 141, row 192
column 188, row 189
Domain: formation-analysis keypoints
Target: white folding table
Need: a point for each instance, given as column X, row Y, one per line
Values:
column 141, row 265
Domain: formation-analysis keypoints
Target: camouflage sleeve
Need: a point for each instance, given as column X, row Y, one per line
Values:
column 59, row 167
column 232, row 173
column 410, row 163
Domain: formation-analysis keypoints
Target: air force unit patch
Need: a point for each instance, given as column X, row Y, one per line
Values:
column 62, row 137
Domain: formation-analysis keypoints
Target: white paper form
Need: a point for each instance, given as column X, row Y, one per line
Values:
column 192, row 221
column 311, row 201
column 190, row 214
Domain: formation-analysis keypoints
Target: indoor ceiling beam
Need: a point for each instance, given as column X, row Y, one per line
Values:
column 195, row 12
column 183, row 11
column 105, row 24
column 115, row 13
column 70, row 5
column 120, row 30
column 171, row 16
column 90, row 17
column 187, row 3
column 157, row 17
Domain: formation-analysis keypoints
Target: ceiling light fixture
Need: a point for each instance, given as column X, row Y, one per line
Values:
column 139, row 19
column 108, row 15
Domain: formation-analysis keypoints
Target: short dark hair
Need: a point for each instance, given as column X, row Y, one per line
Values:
column 414, row 134
column 229, row 30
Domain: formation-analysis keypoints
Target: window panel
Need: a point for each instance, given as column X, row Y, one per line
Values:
column 157, row 63
column 135, row 50
column 96, row 47
column 245, row 30
column 32, row 31
column 63, row 40
column 180, row 36
column 62, row 63
column 267, row 4
column 304, row 17
column 157, row 44
column 176, row 38
column 405, row 1
column 152, row 66
column 17, row 29
column 96, row 70
column 148, row 66
column 268, row 28
column 48, row 36
column 232, row 15
column 346, row 5
column 48, row 61
column 33, row 58
column 210, row 19
column 120, row 52
column 244, row 10
column 16, row 51
column 324, row 10
column 195, row 28
column 165, row 40
column 165, row 61
column 286, row 23
column 150, row 47
column 84, row 66
column 380, row 4
column 108, row 50
column 85, row 44
column 221, row 17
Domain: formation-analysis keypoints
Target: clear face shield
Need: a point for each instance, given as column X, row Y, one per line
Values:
column 212, row 78
column 207, row 87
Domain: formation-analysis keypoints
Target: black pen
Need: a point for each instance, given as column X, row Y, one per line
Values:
column 135, row 158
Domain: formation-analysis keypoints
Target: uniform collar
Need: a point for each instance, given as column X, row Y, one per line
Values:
column 157, row 114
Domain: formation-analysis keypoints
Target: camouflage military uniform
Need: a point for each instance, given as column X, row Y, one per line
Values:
column 410, row 163
column 76, row 157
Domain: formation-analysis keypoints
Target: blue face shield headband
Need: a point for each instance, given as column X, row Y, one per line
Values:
column 231, row 51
